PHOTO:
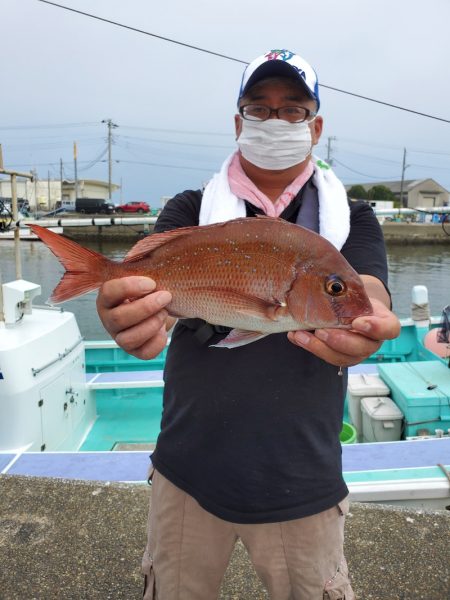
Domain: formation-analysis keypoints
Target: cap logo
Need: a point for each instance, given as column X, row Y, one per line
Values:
column 279, row 55
column 286, row 56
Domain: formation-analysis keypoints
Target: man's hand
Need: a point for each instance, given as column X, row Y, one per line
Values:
column 134, row 315
column 345, row 348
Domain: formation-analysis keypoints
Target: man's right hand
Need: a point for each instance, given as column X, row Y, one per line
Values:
column 135, row 315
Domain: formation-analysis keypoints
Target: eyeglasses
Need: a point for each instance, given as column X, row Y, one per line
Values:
column 293, row 114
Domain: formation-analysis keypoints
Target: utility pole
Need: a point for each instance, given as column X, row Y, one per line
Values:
column 48, row 187
column 403, row 203
column 329, row 159
column 35, row 189
column 111, row 126
column 61, row 172
column 75, row 171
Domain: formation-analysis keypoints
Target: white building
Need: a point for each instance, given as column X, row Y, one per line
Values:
column 422, row 193
column 50, row 194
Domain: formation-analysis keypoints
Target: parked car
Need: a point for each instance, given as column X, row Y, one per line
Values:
column 93, row 205
column 136, row 207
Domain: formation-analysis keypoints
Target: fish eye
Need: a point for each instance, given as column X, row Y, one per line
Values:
column 335, row 286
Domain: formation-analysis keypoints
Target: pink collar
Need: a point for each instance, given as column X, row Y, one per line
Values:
column 243, row 187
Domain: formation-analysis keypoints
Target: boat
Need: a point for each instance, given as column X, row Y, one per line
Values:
column 88, row 410
column 25, row 233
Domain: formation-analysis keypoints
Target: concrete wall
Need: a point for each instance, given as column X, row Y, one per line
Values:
column 84, row 541
column 416, row 233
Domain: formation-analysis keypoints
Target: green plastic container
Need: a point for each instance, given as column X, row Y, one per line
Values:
column 348, row 434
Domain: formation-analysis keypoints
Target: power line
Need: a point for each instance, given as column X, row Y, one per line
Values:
column 48, row 145
column 429, row 166
column 227, row 57
column 125, row 139
column 393, row 162
column 182, row 131
column 363, row 174
column 388, row 147
column 160, row 37
column 65, row 125
column 414, row 112
column 90, row 140
column 140, row 162
column 94, row 161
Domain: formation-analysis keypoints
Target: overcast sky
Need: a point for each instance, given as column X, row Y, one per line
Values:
column 63, row 73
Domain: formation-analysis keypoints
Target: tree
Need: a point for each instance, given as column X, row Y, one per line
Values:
column 357, row 192
column 380, row 192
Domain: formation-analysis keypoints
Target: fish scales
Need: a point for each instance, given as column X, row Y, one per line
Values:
column 258, row 265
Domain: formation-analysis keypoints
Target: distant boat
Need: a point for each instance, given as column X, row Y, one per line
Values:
column 25, row 233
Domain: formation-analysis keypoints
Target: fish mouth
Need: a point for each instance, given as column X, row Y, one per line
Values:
column 346, row 321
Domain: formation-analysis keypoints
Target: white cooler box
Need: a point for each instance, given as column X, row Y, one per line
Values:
column 381, row 420
column 362, row 386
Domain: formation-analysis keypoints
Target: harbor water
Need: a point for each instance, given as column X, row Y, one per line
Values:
column 409, row 265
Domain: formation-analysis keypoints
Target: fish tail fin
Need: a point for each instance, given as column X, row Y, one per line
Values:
column 85, row 269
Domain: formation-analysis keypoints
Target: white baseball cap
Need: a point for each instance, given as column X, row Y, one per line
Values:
column 281, row 63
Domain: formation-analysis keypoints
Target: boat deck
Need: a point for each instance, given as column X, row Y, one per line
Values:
column 124, row 379
column 389, row 461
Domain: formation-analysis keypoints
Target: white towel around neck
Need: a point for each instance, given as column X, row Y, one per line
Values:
column 220, row 204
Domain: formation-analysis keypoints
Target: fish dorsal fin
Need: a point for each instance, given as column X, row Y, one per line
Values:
column 153, row 241
column 267, row 217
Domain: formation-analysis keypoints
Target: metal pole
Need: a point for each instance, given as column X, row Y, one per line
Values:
column 111, row 126
column 16, row 228
column 35, row 181
column 402, row 204
column 48, row 188
column 329, row 159
column 13, row 175
column 61, row 178
column 109, row 158
column 2, row 316
column 75, row 170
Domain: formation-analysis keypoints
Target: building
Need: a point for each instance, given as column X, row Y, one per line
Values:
column 48, row 194
column 87, row 188
column 417, row 193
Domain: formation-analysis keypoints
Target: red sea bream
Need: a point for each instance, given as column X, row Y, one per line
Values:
column 256, row 275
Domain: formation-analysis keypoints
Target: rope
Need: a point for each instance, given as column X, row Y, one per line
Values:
column 420, row 312
column 444, row 470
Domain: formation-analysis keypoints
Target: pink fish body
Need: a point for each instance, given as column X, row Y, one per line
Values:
column 256, row 275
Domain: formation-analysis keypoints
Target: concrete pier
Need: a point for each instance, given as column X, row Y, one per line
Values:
column 72, row 540
column 394, row 233
column 416, row 233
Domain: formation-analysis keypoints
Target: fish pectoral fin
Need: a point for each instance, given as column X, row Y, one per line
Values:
column 239, row 337
column 263, row 309
column 252, row 306
column 244, row 304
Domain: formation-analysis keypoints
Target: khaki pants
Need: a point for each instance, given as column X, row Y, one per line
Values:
column 188, row 551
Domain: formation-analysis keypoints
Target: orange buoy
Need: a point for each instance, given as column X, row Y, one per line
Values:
column 430, row 342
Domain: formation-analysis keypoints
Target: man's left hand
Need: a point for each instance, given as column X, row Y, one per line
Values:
column 347, row 347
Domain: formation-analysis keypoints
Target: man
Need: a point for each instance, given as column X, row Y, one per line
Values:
column 249, row 445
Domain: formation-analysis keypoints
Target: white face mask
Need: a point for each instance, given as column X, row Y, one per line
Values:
column 275, row 144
